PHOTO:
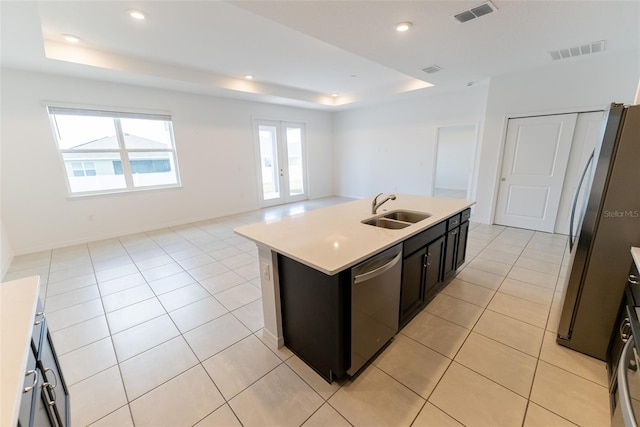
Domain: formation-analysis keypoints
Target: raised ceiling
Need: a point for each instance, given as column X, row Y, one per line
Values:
column 302, row 52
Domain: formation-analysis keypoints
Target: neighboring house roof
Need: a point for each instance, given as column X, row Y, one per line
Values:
column 112, row 142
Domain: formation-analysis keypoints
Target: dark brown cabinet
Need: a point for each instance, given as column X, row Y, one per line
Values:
column 435, row 257
column 413, row 290
column 456, row 245
column 431, row 259
column 316, row 316
column 45, row 397
column 421, row 270
column 316, row 308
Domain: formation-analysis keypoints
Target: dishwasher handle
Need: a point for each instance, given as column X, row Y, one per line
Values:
column 623, row 384
column 378, row 271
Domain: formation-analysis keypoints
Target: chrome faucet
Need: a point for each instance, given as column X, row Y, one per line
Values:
column 375, row 204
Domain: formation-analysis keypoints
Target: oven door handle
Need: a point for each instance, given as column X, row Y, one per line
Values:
column 623, row 384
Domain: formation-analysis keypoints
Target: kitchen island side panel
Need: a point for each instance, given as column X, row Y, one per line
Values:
column 315, row 316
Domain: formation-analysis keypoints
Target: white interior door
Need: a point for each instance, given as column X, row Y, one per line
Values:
column 587, row 135
column 281, row 162
column 534, row 164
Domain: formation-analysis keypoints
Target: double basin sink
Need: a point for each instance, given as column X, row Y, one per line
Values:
column 396, row 219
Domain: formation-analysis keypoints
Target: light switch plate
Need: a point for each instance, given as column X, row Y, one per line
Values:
column 265, row 271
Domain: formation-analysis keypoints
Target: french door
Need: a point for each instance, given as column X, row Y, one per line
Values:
column 281, row 162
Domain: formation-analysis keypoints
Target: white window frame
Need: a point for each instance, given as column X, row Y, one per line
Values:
column 122, row 150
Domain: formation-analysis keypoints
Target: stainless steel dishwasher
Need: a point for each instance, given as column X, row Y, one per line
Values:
column 375, row 304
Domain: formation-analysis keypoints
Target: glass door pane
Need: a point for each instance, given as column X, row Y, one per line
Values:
column 294, row 161
column 268, row 140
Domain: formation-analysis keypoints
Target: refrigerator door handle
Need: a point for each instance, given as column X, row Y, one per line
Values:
column 575, row 200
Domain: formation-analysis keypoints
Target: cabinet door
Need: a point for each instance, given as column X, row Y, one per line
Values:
column 435, row 258
column 461, row 250
column 450, row 253
column 316, row 316
column 28, row 390
column 43, row 413
column 54, row 389
column 413, row 276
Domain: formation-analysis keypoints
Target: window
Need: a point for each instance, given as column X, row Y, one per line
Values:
column 106, row 151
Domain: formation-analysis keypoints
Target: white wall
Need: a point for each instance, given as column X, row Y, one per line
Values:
column 565, row 86
column 6, row 252
column 391, row 147
column 215, row 148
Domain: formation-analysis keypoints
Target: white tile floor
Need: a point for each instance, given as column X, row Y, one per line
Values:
column 164, row 328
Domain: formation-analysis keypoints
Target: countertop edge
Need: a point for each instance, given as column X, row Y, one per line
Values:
column 635, row 254
column 402, row 235
column 18, row 304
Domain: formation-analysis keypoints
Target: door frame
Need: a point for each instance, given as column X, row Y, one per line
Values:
column 473, row 176
column 503, row 142
column 280, row 142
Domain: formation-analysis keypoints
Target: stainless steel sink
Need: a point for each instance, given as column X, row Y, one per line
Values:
column 397, row 219
column 407, row 216
column 386, row 223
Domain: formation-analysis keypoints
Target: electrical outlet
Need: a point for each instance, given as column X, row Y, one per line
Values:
column 266, row 273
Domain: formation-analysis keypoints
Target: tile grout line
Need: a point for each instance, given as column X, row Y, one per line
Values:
column 475, row 256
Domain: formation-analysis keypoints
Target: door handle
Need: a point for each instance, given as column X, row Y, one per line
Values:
column 378, row 271
column 575, row 200
column 623, row 384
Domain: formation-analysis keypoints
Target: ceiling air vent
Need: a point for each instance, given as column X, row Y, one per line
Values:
column 584, row 49
column 475, row 12
column 432, row 69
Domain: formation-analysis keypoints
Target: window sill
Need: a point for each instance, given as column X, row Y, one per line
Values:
column 76, row 196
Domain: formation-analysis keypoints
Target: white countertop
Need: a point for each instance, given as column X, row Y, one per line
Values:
column 332, row 239
column 635, row 253
column 18, row 302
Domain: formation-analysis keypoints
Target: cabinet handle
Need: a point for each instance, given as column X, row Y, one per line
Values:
column 427, row 260
column 625, row 330
column 39, row 322
column 633, row 279
column 54, row 377
column 53, row 394
column 50, row 386
column 35, row 380
column 454, row 232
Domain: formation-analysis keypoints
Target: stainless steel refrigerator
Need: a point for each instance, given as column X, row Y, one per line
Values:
column 604, row 226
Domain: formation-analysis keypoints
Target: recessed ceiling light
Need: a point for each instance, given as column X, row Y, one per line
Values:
column 70, row 38
column 136, row 14
column 248, row 76
column 335, row 95
column 403, row 26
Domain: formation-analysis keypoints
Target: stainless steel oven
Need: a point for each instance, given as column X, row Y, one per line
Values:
column 626, row 392
column 624, row 374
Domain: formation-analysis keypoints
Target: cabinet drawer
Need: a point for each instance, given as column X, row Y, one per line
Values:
column 424, row 238
column 466, row 214
column 453, row 222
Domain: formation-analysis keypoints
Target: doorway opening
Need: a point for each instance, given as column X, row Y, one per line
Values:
column 455, row 159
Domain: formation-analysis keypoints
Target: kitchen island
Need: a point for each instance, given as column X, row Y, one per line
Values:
column 306, row 259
